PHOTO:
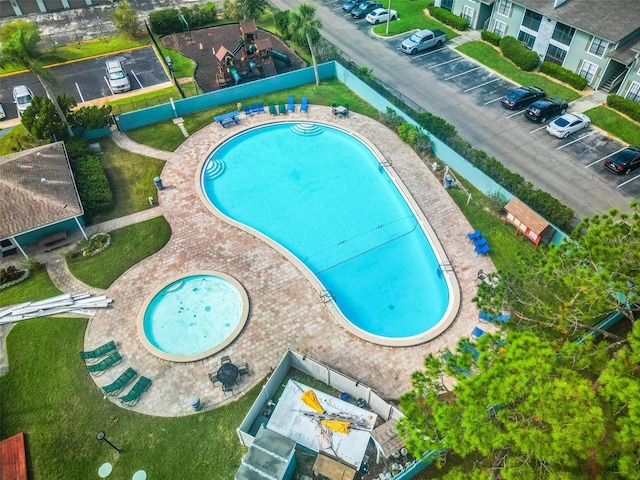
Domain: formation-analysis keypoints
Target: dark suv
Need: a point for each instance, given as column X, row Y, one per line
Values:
column 350, row 5
column 521, row 97
column 624, row 161
column 365, row 7
column 542, row 110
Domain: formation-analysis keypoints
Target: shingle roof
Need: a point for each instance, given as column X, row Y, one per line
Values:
column 611, row 20
column 36, row 189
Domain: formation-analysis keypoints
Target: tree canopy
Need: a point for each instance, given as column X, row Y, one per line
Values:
column 304, row 24
column 125, row 19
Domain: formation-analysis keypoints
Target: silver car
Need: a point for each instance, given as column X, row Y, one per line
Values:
column 567, row 124
column 117, row 76
column 22, row 97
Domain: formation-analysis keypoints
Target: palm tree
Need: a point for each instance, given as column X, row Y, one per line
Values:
column 304, row 24
column 20, row 41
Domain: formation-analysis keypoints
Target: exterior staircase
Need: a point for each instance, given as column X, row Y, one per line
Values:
column 613, row 81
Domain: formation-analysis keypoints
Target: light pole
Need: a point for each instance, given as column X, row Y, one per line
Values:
column 101, row 436
column 388, row 17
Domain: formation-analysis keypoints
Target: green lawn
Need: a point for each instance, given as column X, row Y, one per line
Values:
column 411, row 16
column 489, row 56
column 37, row 287
column 48, row 394
column 617, row 125
column 129, row 245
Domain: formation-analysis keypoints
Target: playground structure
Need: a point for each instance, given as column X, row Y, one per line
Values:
column 251, row 57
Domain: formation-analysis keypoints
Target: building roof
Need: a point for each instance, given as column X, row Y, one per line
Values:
column 36, row 189
column 13, row 463
column 527, row 216
column 611, row 20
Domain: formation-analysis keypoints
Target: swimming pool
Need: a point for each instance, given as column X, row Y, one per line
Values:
column 193, row 316
column 321, row 193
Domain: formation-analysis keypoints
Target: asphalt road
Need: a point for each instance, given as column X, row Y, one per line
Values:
column 464, row 93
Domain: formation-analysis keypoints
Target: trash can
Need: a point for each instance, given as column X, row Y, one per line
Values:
column 448, row 181
column 361, row 402
column 345, row 397
column 158, row 182
column 195, row 403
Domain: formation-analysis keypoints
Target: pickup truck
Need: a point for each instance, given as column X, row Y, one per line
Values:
column 422, row 40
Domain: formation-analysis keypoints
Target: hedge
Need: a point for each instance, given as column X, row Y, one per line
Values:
column 515, row 51
column 490, row 37
column 167, row 20
column 624, row 105
column 567, row 76
column 448, row 18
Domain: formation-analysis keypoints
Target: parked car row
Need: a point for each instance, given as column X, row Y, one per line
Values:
column 370, row 10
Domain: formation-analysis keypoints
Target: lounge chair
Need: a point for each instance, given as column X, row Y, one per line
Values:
column 247, row 110
column 482, row 241
column 473, row 236
column 102, row 365
column 225, row 359
column 272, row 109
column 483, row 250
column 243, row 369
column 213, row 377
column 131, row 398
column 254, row 108
column 304, row 106
column 99, row 352
column 120, row 382
column 291, row 106
column 477, row 332
column 282, row 110
column 488, row 317
column 260, row 107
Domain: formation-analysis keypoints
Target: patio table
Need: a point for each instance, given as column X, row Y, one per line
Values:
column 228, row 373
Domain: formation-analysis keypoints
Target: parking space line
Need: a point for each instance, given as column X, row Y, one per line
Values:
column 358, row 21
column 481, row 85
column 136, row 77
column 79, row 92
column 463, row 73
column 601, row 159
column 576, row 140
column 428, row 53
column 491, row 101
column 630, row 180
column 108, row 85
column 444, row 63
column 539, row 128
column 514, row 114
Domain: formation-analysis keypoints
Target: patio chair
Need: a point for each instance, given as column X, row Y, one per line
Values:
column 133, row 397
column 247, row 111
column 473, row 236
column 291, row 106
column 477, row 332
column 102, row 365
column 282, row 110
column 213, row 377
column 120, row 382
column 260, row 107
column 272, row 109
column 483, row 249
column 227, row 389
column 304, row 106
column 225, row 359
column 334, row 110
column 98, row 352
column 480, row 242
column 243, row 369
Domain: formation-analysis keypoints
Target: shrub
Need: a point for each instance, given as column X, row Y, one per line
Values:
column 416, row 139
column 93, row 185
column 165, row 21
column 448, row 18
column 624, row 105
column 490, row 37
column 281, row 19
column 567, row 76
column 515, row 51
column 391, row 119
column 77, row 148
column 9, row 274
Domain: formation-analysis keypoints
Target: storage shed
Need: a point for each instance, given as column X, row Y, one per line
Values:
column 528, row 223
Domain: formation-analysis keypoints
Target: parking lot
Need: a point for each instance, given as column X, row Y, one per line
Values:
column 85, row 80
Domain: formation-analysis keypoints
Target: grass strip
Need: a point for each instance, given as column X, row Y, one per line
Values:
column 615, row 124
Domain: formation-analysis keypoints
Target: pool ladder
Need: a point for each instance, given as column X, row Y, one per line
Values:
column 326, row 296
column 386, row 163
column 445, row 267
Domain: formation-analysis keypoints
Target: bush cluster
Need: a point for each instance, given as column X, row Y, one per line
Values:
column 624, row 105
column 515, row 51
column 9, row 274
column 408, row 133
column 448, row 18
column 490, row 37
column 166, row 21
column 91, row 179
column 281, row 19
column 567, row 76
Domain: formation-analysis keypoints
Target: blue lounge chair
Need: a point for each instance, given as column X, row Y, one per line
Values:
column 102, row 365
column 483, row 250
column 482, row 241
column 473, row 236
column 304, row 106
column 98, row 352
column 291, row 106
column 488, row 317
column 247, row 110
column 260, row 107
column 120, row 382
column 477, row 333
column 133, row 397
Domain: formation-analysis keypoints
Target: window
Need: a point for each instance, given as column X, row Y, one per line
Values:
column 527, row 39
column 467, row 14
column 555, row 55
column 634, row 92
column 588, row 70
column 504, row 7
column 598, row 46
column 447, row 4
column 499, row 28
column 531, row 20
column 563, row 33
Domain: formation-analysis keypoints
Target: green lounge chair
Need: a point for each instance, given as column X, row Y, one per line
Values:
column 98, row 352
column 131, row 398
column 120, row 382
column 272, row 109
column 102, row 365
column 281, row 108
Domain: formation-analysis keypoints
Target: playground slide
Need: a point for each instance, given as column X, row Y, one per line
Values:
column 281, row 56
column 234, row 73
column 238, row 47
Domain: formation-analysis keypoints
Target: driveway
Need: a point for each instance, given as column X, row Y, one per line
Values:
column 466, row 94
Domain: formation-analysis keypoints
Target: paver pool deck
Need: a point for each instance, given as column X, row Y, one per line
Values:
column 286, row 311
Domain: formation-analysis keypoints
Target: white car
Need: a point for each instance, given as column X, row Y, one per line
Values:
column 117, row 76
column 380, row 15
column 567, row 124
column 22, row 97
column 3, row 115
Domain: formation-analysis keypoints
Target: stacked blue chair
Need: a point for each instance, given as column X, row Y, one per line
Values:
column 473, row 236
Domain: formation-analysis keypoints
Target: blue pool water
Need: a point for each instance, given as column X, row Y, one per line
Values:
column 321, row 194
column 192, row 315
